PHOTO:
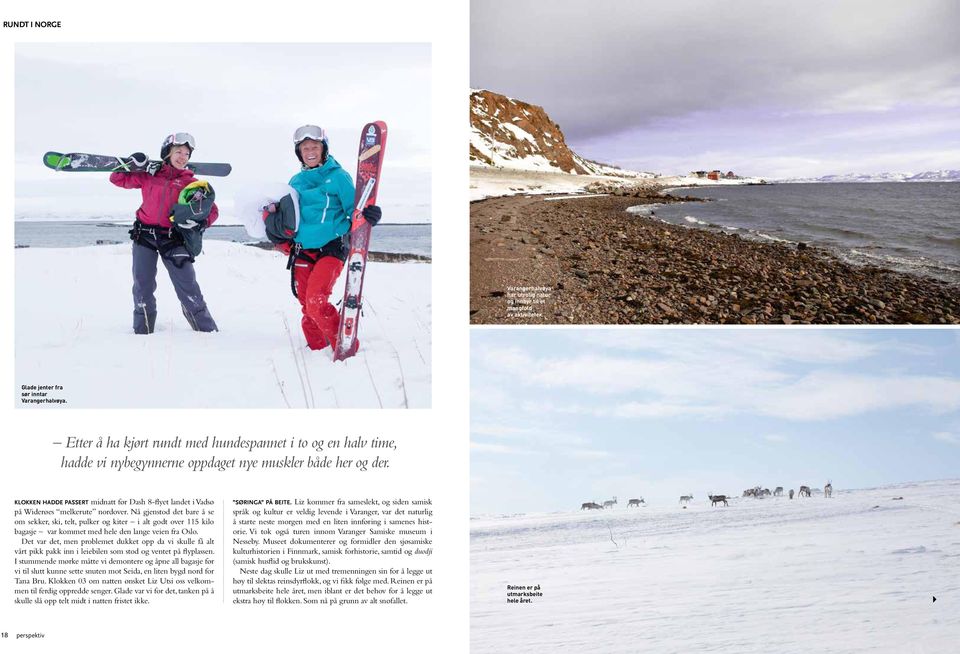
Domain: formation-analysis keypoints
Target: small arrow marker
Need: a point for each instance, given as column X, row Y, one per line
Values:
column 934, row 598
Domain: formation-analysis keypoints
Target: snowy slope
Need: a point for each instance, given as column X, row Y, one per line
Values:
column 511, row 134
column 73, row 328
column 854, row 573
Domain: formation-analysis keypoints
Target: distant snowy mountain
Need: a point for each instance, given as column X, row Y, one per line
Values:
column 854, row 178
column 509, row 133
column 936, row 176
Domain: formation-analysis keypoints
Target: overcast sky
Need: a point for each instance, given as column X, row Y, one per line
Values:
column 242, row 103
column 560, row 417
column 765, row 88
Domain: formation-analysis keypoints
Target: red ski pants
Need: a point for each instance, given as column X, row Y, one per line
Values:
column 313, row 283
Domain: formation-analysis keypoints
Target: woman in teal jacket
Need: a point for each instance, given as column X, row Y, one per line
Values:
column 321, row 243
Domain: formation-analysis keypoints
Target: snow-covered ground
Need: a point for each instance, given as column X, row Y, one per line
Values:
column 853, row 573
column 488, row 182
column 73, row 329
column 675, row 181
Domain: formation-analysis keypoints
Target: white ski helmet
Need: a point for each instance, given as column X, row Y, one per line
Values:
column 177, row 138
column 313, row 133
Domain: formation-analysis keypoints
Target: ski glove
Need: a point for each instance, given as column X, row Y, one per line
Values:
column 136, row 160
column 372, row 214
column 153, row 167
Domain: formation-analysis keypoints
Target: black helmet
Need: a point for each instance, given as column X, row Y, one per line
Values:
column 178, row 138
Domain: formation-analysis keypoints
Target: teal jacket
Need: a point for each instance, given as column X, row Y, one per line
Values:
column 326, row 203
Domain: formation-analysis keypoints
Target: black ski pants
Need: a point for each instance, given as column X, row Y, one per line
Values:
column 176, row 260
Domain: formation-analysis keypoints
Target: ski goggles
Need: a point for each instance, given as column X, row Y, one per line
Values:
column 180, row 138
column 311, row 132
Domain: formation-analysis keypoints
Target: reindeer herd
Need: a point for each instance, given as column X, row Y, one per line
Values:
column 609, row 504
column 805, row 491
column 757, row 492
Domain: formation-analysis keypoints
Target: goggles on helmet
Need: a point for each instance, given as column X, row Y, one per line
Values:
column 180, row 138
column 311, row 132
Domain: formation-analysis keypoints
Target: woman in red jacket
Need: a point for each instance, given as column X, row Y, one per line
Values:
column 155, row 236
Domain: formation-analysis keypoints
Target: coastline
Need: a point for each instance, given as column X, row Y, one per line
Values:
column 909, row 228
column 588, row 261
column 393, row 242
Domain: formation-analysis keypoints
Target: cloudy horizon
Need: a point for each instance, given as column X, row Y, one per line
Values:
column 559, row 417
column 760, row 88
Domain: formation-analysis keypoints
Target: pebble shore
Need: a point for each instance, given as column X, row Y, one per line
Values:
column 588, row 261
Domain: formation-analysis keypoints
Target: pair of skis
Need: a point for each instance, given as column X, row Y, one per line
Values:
column 102, row 163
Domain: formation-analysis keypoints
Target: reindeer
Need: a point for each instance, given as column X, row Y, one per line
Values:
column 804, row 490
column 716, row 499
column 778, row 491
column 765, row 492
column 750, row 492
column 686, row 498
column 828, row 490
column 590, row 505
column 609, row 504
column 635, row 502
column 791, row 493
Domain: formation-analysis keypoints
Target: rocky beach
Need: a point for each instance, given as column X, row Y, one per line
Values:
column 586, row 260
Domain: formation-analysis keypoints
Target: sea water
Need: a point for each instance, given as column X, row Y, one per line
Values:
column 911, row 228
column 397, row 238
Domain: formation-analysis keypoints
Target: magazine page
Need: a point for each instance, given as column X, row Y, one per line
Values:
column 714, row 296
column 224, row 427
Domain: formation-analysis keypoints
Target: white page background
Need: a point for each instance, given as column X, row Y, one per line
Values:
column 432, row 459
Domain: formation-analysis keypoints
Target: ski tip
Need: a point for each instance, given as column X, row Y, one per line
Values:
column 379, row 125
column 55, row 160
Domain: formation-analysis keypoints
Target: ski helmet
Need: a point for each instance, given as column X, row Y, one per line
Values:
column 178, row 138
column 313, row 133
